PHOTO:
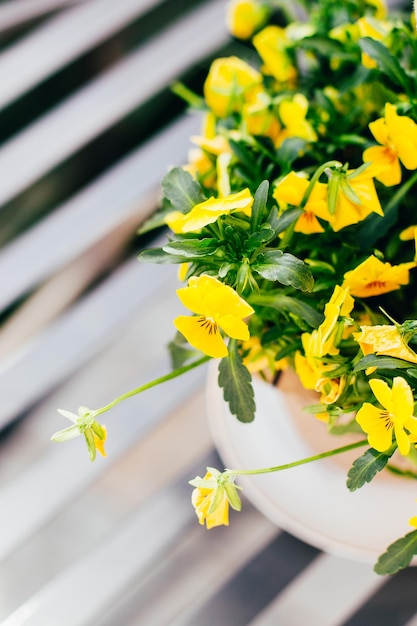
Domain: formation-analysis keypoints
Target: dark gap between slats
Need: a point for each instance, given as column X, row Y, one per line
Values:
column 71, row 175
column 257, row 584
column 54, row 89
column 394, row 604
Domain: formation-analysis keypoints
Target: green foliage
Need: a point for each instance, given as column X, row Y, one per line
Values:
column 235, row 380
column 365, row 468
column 398, row 555
column 181, row 190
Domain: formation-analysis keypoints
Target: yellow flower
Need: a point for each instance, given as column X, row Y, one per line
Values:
column 244, row 17
column 230, row 83
column 261, row 359
column 271, row 44
column 396, row 417
column 291, row 190
column 340, row 305
column 217, row 306
column 208, row 211
column 350, row 212
column 212, row 496
column 397, row 135
column 259, row 119
column 293, row 116
column 84, row 423
column 376, row 29
column 202, row 499
column 384, row 340
column 374, row 277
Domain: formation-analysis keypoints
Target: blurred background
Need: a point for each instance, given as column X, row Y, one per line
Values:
column 88, row 127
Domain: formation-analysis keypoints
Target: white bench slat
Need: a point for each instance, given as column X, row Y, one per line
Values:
column 64, row 470
column 100, row 578
column 68, row 35
column 108, row 98
column 17, row 12
column 93, row 321
column 99, row 208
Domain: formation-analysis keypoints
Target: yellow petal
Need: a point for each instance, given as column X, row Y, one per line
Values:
column 382, row 393
column 203, row 334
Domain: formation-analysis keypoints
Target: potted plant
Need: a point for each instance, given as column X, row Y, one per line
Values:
column 294, row 227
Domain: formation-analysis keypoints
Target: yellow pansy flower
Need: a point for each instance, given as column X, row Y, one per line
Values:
column 212, row 496
column 291, row 190
column 271, row 44
column 230, row 83
column 396, row 416
column 261, row 359
column 384, row 340
column 208, row 211
column 293, row 115
column 397, row 135
column 373, row 277
column 340, row 305
column 347, row 211
column 244, row 17
column 377, row 30
column 217, row 306
column 84, row 423
column 260, row 119
column 202, row 499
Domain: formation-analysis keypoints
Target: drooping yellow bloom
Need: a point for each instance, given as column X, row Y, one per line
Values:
column 291, row 190
column 340, row 305
column 244, row 17
column 397, row 135
column 384, row 340
column 396, row 416
column 202, row 499
column 230, row 83
column 84, row 423
column 217, row 306
column 293, row 115
column 271, row 44
column 349, row 212
column 373, row 277
column 208, row 211
column 212, row 496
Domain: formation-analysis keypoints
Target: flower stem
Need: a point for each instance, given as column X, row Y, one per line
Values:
column 153, row 383
column 316, row 457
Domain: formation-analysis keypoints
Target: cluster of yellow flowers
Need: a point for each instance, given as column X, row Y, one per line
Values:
column 293, row 219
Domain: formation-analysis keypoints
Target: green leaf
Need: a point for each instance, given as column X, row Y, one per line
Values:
column 289, row 151
column 182, row 190
column 398, row 555
column 381, row 362
column 292, row 305
column 286, row 219
column 180, row 351
column 259, row 205
column 365, row 468
column 285, row 268
column 236, row 381
column 387, row 62
column 157, row 255
column 192, row 248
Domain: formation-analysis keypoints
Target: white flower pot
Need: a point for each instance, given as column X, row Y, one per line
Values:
column 310, row 501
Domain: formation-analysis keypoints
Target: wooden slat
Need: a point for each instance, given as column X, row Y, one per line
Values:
column 18, row 12
column 114, row 197
column 69, row 35
column 108, row 98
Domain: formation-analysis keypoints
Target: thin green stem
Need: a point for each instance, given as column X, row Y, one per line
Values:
column 153, row 383
column 316, row 457
column 319, row 171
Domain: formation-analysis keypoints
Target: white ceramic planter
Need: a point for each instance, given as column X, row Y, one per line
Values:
column 310, row 501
